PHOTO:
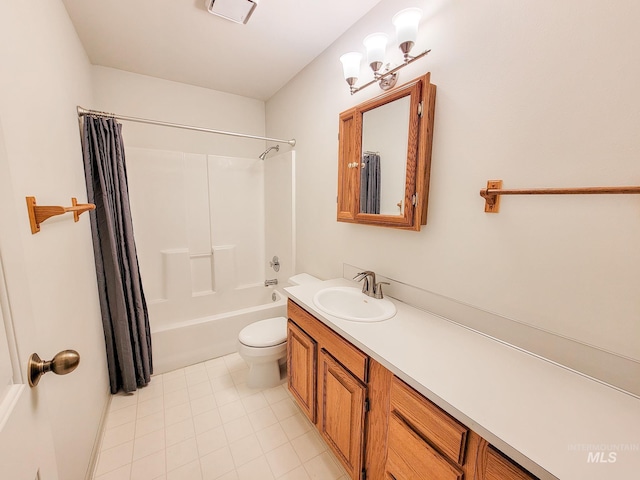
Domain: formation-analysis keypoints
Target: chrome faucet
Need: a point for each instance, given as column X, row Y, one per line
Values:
column 369, row 285
column 273, row 281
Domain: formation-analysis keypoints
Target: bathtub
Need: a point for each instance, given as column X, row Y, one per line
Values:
column 208, row 326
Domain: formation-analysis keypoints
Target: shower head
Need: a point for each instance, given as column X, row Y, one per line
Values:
column 263, row 155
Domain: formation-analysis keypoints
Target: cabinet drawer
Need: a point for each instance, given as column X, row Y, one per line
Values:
column 351, row 357
column 499, row 467
column 409, row 457
column 444, row 432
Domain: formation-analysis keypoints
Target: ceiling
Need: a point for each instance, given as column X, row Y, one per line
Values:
column 180, row 40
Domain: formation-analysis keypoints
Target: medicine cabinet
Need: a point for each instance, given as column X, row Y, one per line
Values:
column 384, row 157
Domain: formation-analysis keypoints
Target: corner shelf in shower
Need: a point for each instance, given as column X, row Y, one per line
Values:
column 38, row 214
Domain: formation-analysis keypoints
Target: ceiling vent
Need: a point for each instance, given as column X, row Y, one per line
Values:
column 237, row 11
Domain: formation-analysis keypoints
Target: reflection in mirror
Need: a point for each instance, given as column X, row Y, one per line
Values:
column 385, row 133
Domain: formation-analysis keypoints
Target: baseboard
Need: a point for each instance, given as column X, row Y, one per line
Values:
column 97, row 443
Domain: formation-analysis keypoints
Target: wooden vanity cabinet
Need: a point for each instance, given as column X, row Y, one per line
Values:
column 377, row 425
column 409, row 437
column 327, row 377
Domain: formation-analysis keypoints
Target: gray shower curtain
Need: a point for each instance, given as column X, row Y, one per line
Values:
column 125, row 319
column 370, row 183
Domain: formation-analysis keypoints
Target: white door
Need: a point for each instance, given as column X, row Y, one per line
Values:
column 26, row 444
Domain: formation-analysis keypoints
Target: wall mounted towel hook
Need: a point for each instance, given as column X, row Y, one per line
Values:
column 38, row 214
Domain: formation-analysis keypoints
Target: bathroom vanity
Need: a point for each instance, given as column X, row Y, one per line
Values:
column 327, row 376
column 418, row 396
column 364, row 412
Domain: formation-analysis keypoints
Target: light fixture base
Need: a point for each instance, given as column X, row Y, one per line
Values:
column 375, row 67
column 388, row 81
column 405, row 48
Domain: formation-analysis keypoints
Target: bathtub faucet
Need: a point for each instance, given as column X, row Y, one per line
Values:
column 273, row 281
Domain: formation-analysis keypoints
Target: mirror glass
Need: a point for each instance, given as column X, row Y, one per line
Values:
column 385, row 134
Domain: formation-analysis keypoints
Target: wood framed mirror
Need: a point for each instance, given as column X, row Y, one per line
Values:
column 384, row 157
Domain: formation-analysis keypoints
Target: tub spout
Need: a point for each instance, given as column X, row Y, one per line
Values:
column 273, row 281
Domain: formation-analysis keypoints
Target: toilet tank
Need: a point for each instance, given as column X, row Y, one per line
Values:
column 303, row 279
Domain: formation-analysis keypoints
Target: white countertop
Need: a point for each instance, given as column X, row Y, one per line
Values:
column 538, row 413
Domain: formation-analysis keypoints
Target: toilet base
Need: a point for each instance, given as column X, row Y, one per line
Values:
column 266, row 375
column 264, row 364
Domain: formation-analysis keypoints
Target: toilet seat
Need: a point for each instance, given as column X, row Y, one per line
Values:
column 265, row 333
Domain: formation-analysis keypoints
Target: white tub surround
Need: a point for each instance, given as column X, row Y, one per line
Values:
column 202, row 271
column 548, row 418
column 188, row 236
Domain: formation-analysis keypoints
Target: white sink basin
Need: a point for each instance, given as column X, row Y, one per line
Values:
column 350, row 303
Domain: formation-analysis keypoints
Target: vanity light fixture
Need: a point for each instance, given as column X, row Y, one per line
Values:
column 406, row 23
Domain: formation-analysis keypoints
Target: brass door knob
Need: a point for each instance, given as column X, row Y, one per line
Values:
column 64, row 362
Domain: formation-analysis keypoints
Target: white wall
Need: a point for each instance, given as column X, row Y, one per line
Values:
column 539, row 94
column 136, row 95
column 44, row 75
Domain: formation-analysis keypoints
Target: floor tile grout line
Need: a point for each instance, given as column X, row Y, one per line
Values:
column 238, row 382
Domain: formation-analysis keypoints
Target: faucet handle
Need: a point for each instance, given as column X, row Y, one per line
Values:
column 377, row 289
column 365, row 274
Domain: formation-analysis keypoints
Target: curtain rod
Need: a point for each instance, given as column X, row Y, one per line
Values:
column 83, row 111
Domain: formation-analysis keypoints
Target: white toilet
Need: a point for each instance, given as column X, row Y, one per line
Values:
column 263, row 345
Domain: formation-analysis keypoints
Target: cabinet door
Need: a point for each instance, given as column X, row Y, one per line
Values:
column 301, row 366
column 348, row 174
column 341, row 399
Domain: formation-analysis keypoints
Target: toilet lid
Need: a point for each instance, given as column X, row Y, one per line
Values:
column 265, row 333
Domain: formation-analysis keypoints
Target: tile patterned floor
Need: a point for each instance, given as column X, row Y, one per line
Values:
column 202, row 422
